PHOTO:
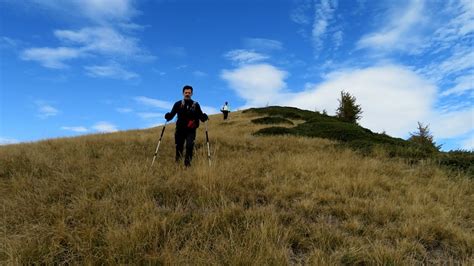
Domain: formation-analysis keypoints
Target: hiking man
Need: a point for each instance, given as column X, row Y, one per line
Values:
column 189, row 113
column 225, row 110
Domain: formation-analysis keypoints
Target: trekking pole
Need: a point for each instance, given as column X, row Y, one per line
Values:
column 208, row 149
column 158, row 146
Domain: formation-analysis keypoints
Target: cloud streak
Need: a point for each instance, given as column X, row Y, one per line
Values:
column 112, row 70
column 242, row 56
column 105, row 127
column 8, row 141
column 46, row 110
column 78, row 129
column 51, row 57
column 400, row 33
column 153, row 102
column 324, row 12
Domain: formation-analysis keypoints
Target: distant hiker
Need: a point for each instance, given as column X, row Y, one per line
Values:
column 189, row 113
column 225, row 110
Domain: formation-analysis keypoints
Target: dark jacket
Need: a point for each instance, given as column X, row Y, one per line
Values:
column 189, row 113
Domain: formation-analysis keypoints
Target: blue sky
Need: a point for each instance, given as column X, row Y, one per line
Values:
column 86, row 66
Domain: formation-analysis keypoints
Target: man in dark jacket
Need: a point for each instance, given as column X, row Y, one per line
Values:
column 189, row 113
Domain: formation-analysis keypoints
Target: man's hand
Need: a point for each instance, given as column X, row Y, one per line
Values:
column 168, row 117
column 205, row 117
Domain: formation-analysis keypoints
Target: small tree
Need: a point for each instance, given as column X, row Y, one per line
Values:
column 348, row 110
column 424, row 138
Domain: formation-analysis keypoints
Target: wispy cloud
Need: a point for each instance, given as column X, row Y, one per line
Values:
column 450, row 124
column 401, row 33
column 51, row 57
column 97, row 41
column 323, row 14
column 112, row 70
column 45, row 110
column 124, row 110
column 241, row 56
column 262, row 44
column 153, row 102
column 9, row 43
column 101, row 40
column 104, row 127
column 98, row 11
column 110, row 36
column 463, row 84
column 7, row 141
column 300, row 15
column 150, row 115
column 78, row 129
column 338, row 37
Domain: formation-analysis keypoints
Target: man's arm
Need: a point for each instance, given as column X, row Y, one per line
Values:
column 169, row 116
column 202, row 116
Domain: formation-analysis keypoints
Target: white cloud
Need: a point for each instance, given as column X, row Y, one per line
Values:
column 9, row 43
column 322, row 17
column 400, row 33
column 150, row 115
column 7, row 141
column 124, row 110
column 99, row 11
column 263, row 44
column 257, row 84
column 113, row 70
column 209, row 110
column 105, row 127
column 153, row 102
column 451, row 124
column 460, row 24
column 109, row 36
column 241, row 56
column 46, row 110
column 51, row 57
column 102, row 40
column 463, row 84
column 79, row 129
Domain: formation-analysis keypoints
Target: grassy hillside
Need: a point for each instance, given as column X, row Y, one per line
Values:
column 285, row 199
column 362, row 140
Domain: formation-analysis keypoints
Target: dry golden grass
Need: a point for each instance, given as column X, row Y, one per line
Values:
column 265, row 200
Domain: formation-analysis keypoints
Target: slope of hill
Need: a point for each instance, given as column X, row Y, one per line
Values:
column 264, row 200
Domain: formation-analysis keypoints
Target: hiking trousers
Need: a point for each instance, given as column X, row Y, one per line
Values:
column 182, row 136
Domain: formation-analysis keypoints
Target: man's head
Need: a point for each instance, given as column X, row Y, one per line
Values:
column 187, row 92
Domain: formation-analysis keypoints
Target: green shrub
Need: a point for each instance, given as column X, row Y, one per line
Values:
column 272, row 120
column 285, row 112
column 274, row 131
column 458, row 160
